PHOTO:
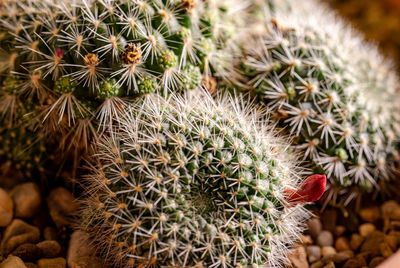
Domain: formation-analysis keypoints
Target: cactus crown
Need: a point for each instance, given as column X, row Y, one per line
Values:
column 188, row 181
column 331, row 90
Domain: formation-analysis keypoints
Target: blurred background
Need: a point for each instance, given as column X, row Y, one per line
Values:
column 378, row 20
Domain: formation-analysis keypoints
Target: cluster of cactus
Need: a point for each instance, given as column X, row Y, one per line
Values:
column 193, row 182
column 332, row 92
column 78, row 62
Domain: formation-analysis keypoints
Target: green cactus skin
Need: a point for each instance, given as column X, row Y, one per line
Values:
column 333, row 91
column 189, row 182
column 80, row 62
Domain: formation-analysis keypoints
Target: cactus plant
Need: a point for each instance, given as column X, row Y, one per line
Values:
column 79, row 62
column 331, row 90
column 189, row 182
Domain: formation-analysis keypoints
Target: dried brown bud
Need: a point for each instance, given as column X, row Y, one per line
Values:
column 132, row 54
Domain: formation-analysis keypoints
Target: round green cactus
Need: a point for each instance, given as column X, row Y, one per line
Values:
column 81, row 61
column 189, row 182
column 332, row 91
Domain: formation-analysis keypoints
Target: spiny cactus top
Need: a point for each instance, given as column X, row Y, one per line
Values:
column 331, row 90
column 76, row 61
column 188, row 182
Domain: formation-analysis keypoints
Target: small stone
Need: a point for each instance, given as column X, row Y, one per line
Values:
column 78, row 247
column 313, row 253
column 391, row 240
column 342, row 244
column 395, row 214
column 330, row 265
column 27, row 252
column 317, row 264
column 52, row 263
column 329, row 219
column 27, row 200
column 6, row 208
column 370, row 214
column 354, row 263
column 12, row 262
column 328, row 251
column 49, row 233
column 298, row 257
column 371, row 243
column 385, row 249
column 339, row 230
column 49, row 248
column 88, row 262
column 366, row 228
column 30, row 265
column 325, row 239
column 342, row 256
column 62, row 205
column 388, row 207
column 356, row 241
column 376, row 261
column 314, row 227
column 18, row 233
column 306, row 240
column 395, row 225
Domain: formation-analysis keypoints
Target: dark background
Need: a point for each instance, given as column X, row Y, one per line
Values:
column 378, row 20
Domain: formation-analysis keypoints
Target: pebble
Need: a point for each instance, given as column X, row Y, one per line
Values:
column 339, row 230
column 27, row 252
column 342, row 256
column 325, row 239
column 27, row 200
column 342, row 244
column 371, row 244
column 30, row 265
column 376, row 261
column 298, row 257
column 391, row 240
column 388, row 207
column 328, row 251
column 18, row 233
column 49, row 233
column 366, row 228
column 52, row 263
column 306, row 240
column 385, row 249
column 314, row 227
column 395, row 214
column 354, row 263
column 49, row 248
column 356, row 241
column 62, row 205
column 330, row 265
column 78, row 247
column 317, row 264
column 313, row 253
column 6, row 208
column 88, row 262
column 12, row 262
column 370, row 214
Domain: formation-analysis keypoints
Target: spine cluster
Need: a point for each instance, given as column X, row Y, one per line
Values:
column 190, row 182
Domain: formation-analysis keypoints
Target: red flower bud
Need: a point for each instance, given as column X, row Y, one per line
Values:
column 310, row 190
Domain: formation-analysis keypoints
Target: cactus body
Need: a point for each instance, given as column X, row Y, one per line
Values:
column 79, row 62
column 333, row 91
column 188, row 182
